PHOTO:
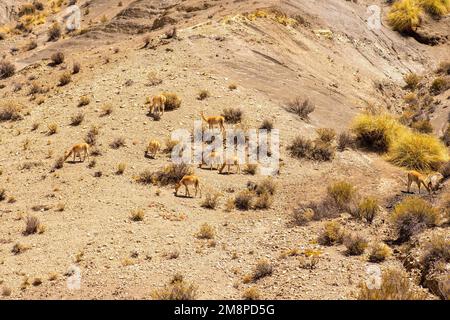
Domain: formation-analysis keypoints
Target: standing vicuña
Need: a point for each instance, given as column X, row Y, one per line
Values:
column 214, row 120
column 186, row 181
column 153, row 147
column 76, row 151
column 157, row 103
column 414, row 176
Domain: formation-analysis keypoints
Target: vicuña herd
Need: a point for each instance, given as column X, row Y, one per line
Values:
column 431, row 182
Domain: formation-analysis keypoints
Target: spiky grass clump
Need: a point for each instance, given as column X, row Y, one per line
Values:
column 331, row 234
column 418, row 151
column 395, row 285
column 379, row 252
column 412, row 215
column 368, row 209
column 412, row 80
column 405, row 15
column 406, row 148
column 342, row 193
column 376, row 132
column 436, row 7
column 173, row 101
column 177, row 289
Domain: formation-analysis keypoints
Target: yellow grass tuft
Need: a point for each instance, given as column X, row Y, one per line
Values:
column 405, row 15
column 436, row 7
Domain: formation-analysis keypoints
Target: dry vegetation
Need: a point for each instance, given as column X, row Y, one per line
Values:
column 337, row 202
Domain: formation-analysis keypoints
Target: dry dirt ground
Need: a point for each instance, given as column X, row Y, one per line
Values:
column 216, row 46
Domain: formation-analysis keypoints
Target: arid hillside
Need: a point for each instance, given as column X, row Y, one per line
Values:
column 356, row 108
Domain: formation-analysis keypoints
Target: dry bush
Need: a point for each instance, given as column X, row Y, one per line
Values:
column 178, row 289
column 418, row 152
column 203, row 94
column 153, row 79
column 172, row 173
column 173, row 101
column 446, row 136
column 76, row 67
column 31, row 45
column 244, row 200
column 232, row 86
column 355, row 244
column 411, row 80
column 26, row 9
column 251, row 294
column 32, row 226
column 411, row 216
column 232, row 115
column 326, row 135
column 262, row 269
column 84, row 101
column 404, row 15
column 423, row 126
column 302, row 216
column 439, row 85
column 145, row 177
column 263, row 201
column 301, row 147
column 117, row 143
column 444, row 67
column 7, row 69
column 54, row 32
column 267, row 124
column 59, row 163
column 52, row 129
column 6, row 291
column 10, row 110
column 121, row 168
column 57, row 58
column 65, row 78
column 137, row 215
column 305, row 148
column 301, row 107
column 445, row 170
column 106, row 109
column 211, row 201
column 434, row 273
column 251, row 169
column 411, row 99
column 206, row 232
column 91, row 136
column 379, row 252
column 77, row 119
column 342, row 193
column 331, row 234
column 395, row 285
column 345, row 140
column 322, row 151
column 2, row 194
column 368, row 208
column 19, row 248
column 266, row 186
column 36, row 88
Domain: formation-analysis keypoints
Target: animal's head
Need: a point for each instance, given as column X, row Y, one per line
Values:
column 177, row 186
